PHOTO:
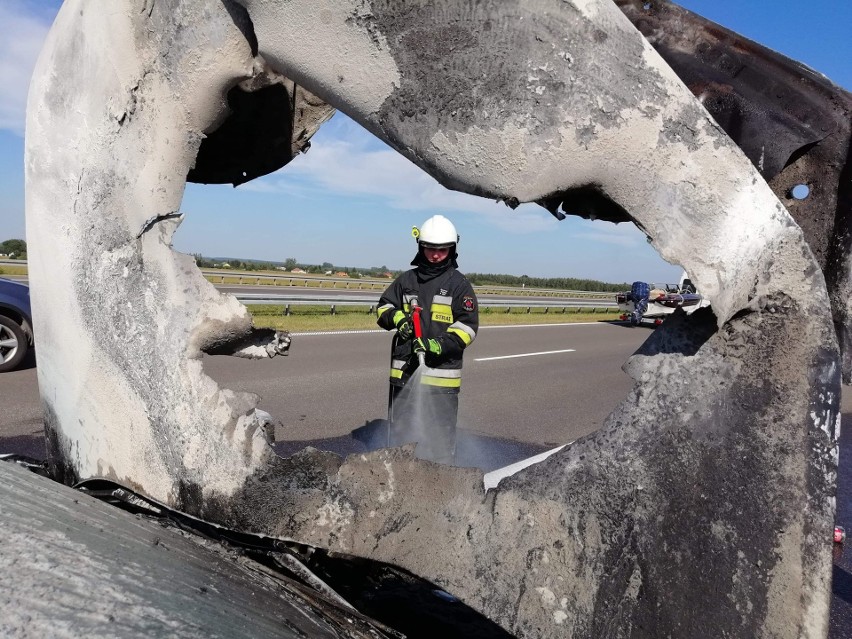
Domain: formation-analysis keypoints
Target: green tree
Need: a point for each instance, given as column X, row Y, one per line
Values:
column 290, row 263
column 569, row 283
column 202, row 262
column 17, row 248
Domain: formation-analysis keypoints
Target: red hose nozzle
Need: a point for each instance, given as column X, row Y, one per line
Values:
column 415, row 319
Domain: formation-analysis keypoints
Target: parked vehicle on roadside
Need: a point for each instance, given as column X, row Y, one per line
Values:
column 16, row 324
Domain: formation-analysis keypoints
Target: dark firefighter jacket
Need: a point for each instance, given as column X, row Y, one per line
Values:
column 450, row 314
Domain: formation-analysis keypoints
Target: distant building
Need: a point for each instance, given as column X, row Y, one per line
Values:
column 281, row 268
column 341, row 274
column 328, row 272
column 387, row 274
column 298, row 270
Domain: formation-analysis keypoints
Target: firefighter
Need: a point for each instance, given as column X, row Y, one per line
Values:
column 449, row 318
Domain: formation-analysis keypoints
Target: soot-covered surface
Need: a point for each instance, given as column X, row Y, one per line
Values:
column 489, row 453
column 473, row 450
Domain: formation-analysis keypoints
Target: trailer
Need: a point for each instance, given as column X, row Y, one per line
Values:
column 651, row 303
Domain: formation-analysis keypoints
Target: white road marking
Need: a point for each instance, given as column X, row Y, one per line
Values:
column 488, row 359
column 352, row 332
column 543, row 325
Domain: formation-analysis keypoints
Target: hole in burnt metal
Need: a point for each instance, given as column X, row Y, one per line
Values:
column 647, row 6
column 254, row 139
column 800, row 192
column 353, row 418
column 589, row 202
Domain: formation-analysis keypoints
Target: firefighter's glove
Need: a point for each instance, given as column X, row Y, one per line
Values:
column 429, row 346
column 402, row 321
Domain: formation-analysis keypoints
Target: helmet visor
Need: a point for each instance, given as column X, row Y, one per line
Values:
column 431, row 245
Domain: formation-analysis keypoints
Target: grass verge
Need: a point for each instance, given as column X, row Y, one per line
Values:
column 282, row 282
column 13, row 270
column 319, row 318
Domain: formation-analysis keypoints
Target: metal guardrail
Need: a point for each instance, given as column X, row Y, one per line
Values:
column 334, row 301
column 372, row 284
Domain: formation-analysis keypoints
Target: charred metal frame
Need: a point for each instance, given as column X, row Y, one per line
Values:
column 520, row 102
column 792, row 122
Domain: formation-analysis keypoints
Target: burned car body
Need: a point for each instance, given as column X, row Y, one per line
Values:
column 525, row 103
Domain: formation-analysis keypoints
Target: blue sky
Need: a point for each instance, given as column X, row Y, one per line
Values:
column 352, row 201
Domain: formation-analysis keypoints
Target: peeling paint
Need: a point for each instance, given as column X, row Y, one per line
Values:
column 387, row 493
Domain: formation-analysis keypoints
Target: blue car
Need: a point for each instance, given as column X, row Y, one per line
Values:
column 16, row 324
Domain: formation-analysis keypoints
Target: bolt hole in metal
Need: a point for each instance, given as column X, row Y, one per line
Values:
column 647, row 6
column 800, row 192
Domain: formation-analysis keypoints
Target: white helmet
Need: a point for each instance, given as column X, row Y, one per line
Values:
column 437, row 232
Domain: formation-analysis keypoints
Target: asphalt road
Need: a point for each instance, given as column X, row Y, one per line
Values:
column 331, row 384
column 552, row 384
column 540, row 399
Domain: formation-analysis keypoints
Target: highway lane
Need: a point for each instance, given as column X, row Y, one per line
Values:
column 331, row 384
column 543, row 399
column 21, row 425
